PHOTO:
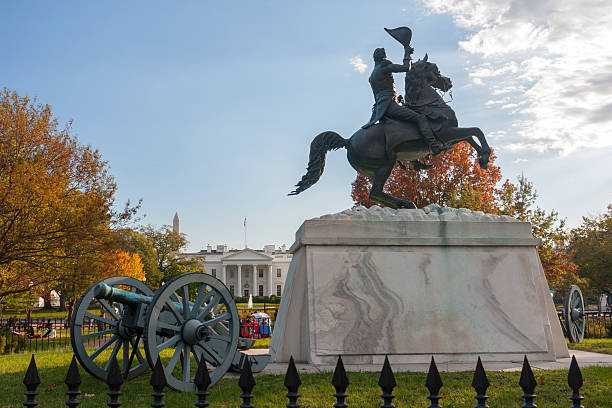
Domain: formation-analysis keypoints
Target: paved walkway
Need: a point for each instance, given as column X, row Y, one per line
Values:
column 584, row 358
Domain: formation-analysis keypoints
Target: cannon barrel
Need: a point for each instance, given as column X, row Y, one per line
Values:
column 104, row 291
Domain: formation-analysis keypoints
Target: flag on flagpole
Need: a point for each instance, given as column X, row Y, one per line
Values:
column 244, row 222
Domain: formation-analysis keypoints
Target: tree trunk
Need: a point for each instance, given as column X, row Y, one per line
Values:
column 47, row 299
column 62, row 302
column 71, row 305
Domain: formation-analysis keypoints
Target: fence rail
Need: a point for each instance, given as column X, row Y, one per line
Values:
column 19, row 335
column 42, row 334
column 292, row 382
column 598, row 325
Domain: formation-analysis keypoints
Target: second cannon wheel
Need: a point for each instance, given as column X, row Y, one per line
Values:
column 191, row 317
column 573, row 313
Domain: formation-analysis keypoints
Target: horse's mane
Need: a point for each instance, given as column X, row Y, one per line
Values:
column 414, row 82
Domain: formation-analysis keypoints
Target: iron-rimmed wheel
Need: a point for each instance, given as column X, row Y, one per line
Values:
column 191, row 316
column 94, row 336
column 573, row 314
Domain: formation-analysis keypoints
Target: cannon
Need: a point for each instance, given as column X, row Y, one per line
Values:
column 573, row 314
column 192, row 317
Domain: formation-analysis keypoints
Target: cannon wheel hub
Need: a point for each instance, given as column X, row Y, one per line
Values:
column 124, row 332
column 193, row 331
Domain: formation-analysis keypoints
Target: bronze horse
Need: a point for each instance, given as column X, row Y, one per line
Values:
column 374, row 151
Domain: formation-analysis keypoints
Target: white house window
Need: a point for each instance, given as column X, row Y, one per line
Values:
column 278, row 273
column 213, row 272
column 246, row 292
column 232, row 276
column 246, row 274
column 260, row 290
column 260, row 273
column 232, row 289
column 278, row 290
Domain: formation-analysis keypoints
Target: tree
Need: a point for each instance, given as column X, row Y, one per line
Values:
column 93, row 264
column 518, row 201
column 22, row 301
column 167, row 245
column 119, row 262
column 136, row 243
column 55, row 194
column 591, row 243
column 455, row 179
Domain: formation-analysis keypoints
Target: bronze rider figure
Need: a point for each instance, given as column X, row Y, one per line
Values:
column 385, row 98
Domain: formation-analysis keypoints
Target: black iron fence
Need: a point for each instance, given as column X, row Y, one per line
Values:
column 292, row 382
column 41, row 334
column 20, row 335
column 598, row 325
column 45, row 334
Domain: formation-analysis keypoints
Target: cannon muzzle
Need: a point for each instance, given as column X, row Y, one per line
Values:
column 104, row 291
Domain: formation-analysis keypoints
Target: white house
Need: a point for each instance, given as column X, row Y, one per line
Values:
column 260, row 272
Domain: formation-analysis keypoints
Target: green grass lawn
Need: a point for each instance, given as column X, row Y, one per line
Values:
column 262, row 343
column 594, row 345
column 44, row 313
column 36, row 314
column 316, row 389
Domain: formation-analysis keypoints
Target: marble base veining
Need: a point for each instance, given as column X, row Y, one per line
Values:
column 411, row 284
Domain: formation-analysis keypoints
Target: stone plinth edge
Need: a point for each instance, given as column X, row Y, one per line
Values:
column 430, row 226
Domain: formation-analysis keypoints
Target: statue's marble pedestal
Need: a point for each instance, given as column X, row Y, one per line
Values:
column 415, row 283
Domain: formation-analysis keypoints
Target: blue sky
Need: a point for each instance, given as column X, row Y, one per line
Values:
column 208, row 108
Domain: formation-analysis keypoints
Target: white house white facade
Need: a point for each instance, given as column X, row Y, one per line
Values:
column 247, row 271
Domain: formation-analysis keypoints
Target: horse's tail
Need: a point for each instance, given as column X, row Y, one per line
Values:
column 319, row 147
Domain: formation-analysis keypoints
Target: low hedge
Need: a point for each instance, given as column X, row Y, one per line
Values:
column 258, row 299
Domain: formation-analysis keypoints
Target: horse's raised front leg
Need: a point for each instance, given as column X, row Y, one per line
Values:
column 466, row 134
column 485, row 154
column 378, row 196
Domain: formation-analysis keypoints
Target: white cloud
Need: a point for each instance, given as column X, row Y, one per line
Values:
column 358, row 64
column 520, row 160
column 547, row 62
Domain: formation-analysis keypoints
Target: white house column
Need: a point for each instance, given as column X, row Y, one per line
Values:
column 270, row 275
column 223, row 277
column 239, row 280
column 254, row 292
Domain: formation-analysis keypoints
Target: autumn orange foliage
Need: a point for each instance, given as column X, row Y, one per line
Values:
column 56, row 195
column 118, row 262
column 454, row 180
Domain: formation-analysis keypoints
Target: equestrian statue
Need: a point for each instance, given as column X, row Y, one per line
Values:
column 409, row 128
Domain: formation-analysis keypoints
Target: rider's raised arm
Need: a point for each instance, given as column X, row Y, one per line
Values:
column 405, row 67
column 398, row 68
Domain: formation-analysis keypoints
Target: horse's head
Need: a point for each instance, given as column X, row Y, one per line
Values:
column 429, row 72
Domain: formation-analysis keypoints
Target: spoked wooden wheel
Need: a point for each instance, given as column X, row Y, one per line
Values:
column 98, row 334
column 191, row 317
column 573, row 313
